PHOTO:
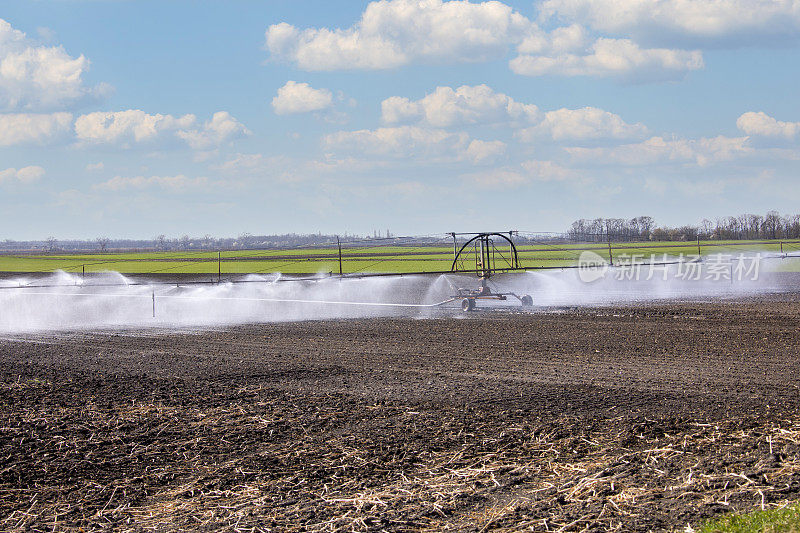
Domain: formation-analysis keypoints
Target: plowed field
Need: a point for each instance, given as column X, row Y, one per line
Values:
column 639, row 418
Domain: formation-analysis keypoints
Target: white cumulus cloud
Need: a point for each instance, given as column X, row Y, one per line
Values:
column 581, row 124
column 759, row 123
column 135, row 126
column 34, row 77
column 23, row 175
column 709, row 21
column 415, row 142
column 220, row 129
column 446, row 107
column 620, row 58
column 131, row 126
column 297, row 97
column 658, row 150
column 484, row 151
column 24, row 128
column 392, row 33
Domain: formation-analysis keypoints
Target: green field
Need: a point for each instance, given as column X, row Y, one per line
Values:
column 786, row 520
column 388, row 259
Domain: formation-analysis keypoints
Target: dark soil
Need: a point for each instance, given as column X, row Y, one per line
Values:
column 633, row 419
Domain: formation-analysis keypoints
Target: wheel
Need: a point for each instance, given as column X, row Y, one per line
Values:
column 526, row 300
column 467, row 304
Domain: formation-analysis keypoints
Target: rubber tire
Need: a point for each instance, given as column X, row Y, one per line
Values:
column 526, row 300
column 467, row 304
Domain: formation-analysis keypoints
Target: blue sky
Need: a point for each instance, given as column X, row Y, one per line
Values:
column 135, row 118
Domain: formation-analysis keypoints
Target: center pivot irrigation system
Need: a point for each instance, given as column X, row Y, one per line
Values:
column 483, row 254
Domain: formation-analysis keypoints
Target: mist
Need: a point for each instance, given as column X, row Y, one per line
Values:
column 63, row 301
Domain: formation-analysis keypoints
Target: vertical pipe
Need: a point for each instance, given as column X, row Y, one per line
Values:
column 610, row 255
column 339, row 245
column 483, row 259
column 781, row 246
column 511, row 250
column 154, row 304
column 698, row 246
column 455, row 246
column 83, row 270
column 219, row 267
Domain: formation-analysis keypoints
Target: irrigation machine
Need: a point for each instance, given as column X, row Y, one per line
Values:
column 481, row 255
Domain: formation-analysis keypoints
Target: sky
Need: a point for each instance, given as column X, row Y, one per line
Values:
column 129, row 119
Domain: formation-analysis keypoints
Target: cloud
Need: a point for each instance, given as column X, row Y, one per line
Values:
column 393, row 33
column 174, row 184
column 484, row 151
column 25, row 128
column 698, row 21
column 403, row 141
column 95, row 167
column 131, row 126
column 547, row 171
column 134, row 126
column 446, row 107
column 760, row 123
column 527, row 172
column 496, row 178
column 657, row 150
column 467, row 105
column 242, row 162
column 23, row 175
column 221, row 129
column 41, row 77
column 581, row 124
column 620, row 58
column 414, row 142
column 300, row 98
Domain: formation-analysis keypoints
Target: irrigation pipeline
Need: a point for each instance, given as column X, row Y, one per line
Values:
column 238, row 299
column 354, row 276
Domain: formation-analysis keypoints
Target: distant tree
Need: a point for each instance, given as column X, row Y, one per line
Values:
column 102, row 243
column 706, row 229
column 772, row 223
column 244, row 239
column 161, row 242
column 52, row 244
column 185, row 241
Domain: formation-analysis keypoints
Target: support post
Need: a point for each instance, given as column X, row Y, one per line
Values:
column 339, row 245
column 219, row 267
column 83, row 271
column 781, row 246
column 154, row 304
column 455, row 246
column 610, row 255
column 698, row 246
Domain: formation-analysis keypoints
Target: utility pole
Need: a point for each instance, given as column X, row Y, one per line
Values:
column 339, row 245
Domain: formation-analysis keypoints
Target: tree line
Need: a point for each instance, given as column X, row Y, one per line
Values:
column 746, row 226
